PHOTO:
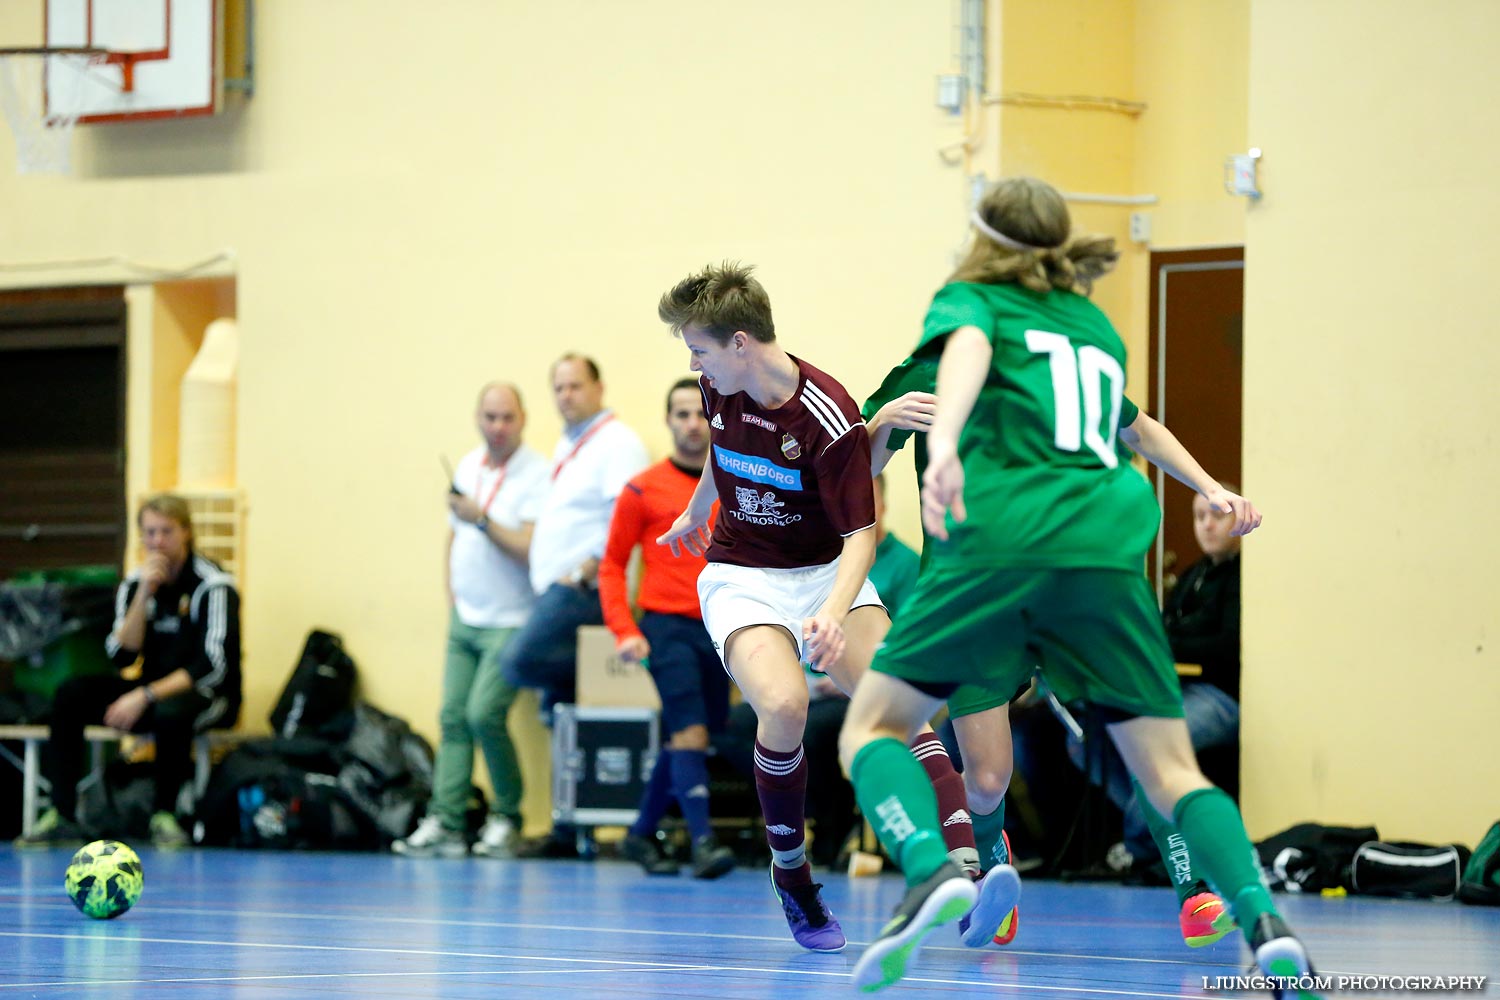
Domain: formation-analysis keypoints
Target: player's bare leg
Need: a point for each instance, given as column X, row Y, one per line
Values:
column 864, row 630
column 984, row 741
column 764, row 662
column 1160, row 755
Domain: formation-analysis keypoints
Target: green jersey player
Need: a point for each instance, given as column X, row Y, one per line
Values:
column 1038, row 530
column 980, row 715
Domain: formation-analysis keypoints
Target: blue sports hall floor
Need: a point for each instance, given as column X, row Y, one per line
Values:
column 220, row 923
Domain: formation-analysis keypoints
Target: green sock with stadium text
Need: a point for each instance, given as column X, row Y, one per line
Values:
column 1175, row 856
column 1211, row 825
column 894, row 794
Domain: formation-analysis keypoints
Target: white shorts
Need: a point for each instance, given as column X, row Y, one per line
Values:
column 736, row 597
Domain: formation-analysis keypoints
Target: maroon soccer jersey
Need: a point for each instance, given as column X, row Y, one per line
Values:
column 792, row 481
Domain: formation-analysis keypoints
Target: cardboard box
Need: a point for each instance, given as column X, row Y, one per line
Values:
column 605, row 680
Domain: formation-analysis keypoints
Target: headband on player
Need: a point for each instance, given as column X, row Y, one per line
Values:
column 999, row 237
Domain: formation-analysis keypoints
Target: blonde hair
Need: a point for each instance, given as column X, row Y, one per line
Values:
column 172, row 507
column 1042, row 252
column 721, row 300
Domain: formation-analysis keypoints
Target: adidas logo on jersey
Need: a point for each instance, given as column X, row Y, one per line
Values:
column 717, row 423
column 959, row 818
column 781, row 830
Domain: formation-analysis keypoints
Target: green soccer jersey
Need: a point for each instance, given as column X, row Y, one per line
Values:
column 894, row 574
column 1047, row 482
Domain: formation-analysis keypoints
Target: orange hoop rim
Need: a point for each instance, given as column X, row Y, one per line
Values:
column 125, row 60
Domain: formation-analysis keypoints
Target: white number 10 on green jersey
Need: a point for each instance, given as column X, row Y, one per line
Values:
column 1079, row 380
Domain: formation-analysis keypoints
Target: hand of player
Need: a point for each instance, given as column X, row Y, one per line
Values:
column 464, row 508
column 1246, row 517
column 942, row 489
column 689, row 533
column 154, row 572
column 634, row 649
column 912, row 411
column 823, row 635
column 126, row 710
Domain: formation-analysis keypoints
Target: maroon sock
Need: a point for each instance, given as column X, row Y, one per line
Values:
column 953, row 805
column 781, row 781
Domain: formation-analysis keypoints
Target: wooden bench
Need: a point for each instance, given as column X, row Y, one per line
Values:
column 29, row 763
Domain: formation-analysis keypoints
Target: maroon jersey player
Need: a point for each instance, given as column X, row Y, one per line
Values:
column 789, row 553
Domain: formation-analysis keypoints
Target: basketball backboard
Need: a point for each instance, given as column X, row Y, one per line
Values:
column 165, row 58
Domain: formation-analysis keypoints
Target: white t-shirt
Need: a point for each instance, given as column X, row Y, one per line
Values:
column 491, row 589
column 586, row 480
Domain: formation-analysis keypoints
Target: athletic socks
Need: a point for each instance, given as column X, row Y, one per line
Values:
column 656, row 797
column 989, row 838
column 897, row 798
column 690, row 788
column 781, row 782
column 1175, row 855
column 953, row 806
column 1211, row 825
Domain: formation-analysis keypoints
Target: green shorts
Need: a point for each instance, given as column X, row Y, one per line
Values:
column 1095, row 634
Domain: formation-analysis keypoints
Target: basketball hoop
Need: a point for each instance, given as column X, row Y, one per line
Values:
column 39, row 93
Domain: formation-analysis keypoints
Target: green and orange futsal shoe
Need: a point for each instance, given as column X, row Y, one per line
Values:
column 1204, row 919
column 1012, row 922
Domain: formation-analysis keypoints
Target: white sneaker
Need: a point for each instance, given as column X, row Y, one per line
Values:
column 432, row 840
column 497, row 838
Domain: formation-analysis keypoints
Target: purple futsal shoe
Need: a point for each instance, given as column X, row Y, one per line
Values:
column 812, row 925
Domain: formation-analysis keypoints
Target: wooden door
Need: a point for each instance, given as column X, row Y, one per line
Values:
column 62, row 428
column 1196, row 345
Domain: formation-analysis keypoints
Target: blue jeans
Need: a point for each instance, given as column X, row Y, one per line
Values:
column 544, row 652
column 1213, row 720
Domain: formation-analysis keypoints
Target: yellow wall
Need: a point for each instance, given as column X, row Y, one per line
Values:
column 1192, row 70
column 1187, row 62
column 1077, row 48
column 165, row 323
column 1354, row 596
column 1371, row 605
column 422, row 197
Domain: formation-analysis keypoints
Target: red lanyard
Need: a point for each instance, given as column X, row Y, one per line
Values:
column 499, row 482
column 557, row 469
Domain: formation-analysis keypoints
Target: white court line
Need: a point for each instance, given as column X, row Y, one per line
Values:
column 334, row 947
column 615, row 966
column 337, row 975
column 574, row 928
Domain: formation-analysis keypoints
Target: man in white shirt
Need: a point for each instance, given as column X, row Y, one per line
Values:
column 493, row 504
column 592, row 463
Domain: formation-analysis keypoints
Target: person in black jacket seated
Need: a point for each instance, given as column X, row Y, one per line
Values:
column 179, row 614
column 1202, row 616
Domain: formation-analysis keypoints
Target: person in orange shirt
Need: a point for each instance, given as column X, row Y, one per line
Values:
column 670, row 639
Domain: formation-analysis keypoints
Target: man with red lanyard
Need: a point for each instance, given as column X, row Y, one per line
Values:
column 494, row 500
column 670, row 639
column 597, row 455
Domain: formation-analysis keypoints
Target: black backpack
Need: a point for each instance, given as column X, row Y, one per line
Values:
column 319, row 695
column 1310, row 857
column 1407, row 870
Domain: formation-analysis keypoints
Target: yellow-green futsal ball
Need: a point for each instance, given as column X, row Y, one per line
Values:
column 104, row 879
